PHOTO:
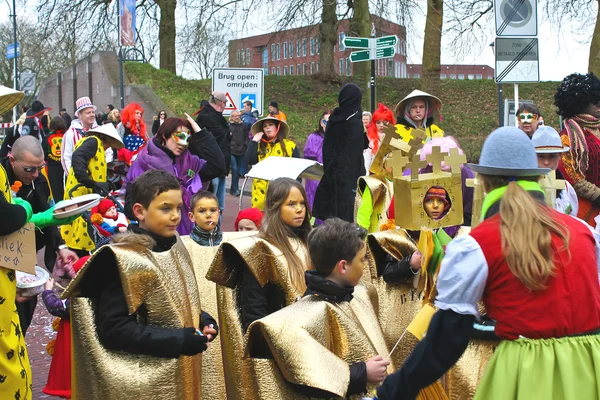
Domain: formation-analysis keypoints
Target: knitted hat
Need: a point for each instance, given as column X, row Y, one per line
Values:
column 437, row 192
column 546, row 140
column 105, row 205
column 80, row 263
column 508, row 151
column 253, row 214
column 82, row 103
column 274, row 104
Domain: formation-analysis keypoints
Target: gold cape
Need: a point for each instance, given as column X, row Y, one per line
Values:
column 382, row 191
column 249, row 378
column 165, row 284
column 213, row 379
column 314, row 341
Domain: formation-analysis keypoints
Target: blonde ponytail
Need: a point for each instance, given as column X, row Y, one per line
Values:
column 526, row 228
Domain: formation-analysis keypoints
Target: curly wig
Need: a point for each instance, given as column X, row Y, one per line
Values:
column 128, row 119
column 575, row 93
column 445, row 143
column 382, row 113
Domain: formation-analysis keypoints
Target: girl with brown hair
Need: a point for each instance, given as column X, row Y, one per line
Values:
column 536, row 271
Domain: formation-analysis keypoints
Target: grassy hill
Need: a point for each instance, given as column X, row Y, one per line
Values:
column 469, row 107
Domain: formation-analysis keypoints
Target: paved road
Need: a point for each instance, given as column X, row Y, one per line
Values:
column 40, row 332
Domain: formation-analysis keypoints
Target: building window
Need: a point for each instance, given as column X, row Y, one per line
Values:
column 265, row 60
column 285, row 70
column 461, row 76
column 278, row 52
column 278, row 71
column 247, row 56
column 478, row 76
column 291, row 70
column 312, row 46
column 304, row 69
column 318, row 44
column 442, row 76
column 348, row 67
column 299, row 48
column 298, row 70
column 341, row 66
column 471, row 76
column 452, row 76
column 291, row 49
column 341, row 43
column 490, row 77
column 285, row 50
column 391, row 67
column 303, row 47
column 272, row 70
column 317, row 67
column 273, row 52
column 416, row 76
column 312, row 68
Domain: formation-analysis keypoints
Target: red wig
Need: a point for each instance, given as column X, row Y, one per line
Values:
column 382, row 113
column 128, row 120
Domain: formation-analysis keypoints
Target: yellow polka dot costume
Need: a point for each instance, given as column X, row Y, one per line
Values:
column 76, row 235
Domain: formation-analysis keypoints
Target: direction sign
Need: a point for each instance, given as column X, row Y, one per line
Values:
column 28, row 82
column 386, row 41
column 516, row 17
column 10, row 51
column 385, row 52
column 237, row 83
column 362, row 55
column 372, row 54
column 517, row 60
column 356, row 42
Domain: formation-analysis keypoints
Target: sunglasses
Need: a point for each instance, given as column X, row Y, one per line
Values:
column 527, row 117
column 31, row 170
column 181, row 137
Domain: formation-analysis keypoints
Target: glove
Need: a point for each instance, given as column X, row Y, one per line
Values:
column 101, row 188
column 20, row 202
column 46, row 218
column 193, row 343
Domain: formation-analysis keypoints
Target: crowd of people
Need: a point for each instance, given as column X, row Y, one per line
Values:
column 323, row 289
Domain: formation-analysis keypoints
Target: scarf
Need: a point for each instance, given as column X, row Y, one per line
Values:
column 317, row 285
column 579, row 149
column 496, row 195
column 204, row 238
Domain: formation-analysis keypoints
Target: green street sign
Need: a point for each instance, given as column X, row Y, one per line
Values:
column 357, row 56
column 386, row 41
column 356, row 42
column 384, row 52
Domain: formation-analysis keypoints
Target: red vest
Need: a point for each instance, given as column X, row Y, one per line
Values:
column 569, row 305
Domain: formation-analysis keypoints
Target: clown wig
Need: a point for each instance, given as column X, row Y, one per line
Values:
column 575, row 93
column 382, row 113
column 128, row 120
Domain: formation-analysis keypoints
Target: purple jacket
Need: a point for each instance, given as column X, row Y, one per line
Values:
column 185, row 168
column 313, row 150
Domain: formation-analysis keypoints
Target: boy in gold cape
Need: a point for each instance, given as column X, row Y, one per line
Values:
column 137, row 325
column 329, row 344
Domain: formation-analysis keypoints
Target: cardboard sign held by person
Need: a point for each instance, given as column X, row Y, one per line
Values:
column 17, row 250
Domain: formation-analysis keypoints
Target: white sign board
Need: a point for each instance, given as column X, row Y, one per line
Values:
column 516, row 17
column 28, row 82
column 286, row 167
column 517, row 60
column 239, row 85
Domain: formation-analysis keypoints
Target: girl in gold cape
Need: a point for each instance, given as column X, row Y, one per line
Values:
column 257, row 276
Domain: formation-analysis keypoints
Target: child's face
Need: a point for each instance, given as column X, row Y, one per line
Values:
column 111, row 212
column 354, row 269
column 293, row 209
column 247, row 225
column 434, row 207
column 380, row 125
column 270, row 129
column 548, row 160
column 162, row 215
column 205, row 214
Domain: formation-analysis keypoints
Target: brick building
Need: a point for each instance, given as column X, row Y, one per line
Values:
column 297, row 51
column 455, row 71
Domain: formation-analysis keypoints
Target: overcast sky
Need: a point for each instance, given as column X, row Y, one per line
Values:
column 561, row 53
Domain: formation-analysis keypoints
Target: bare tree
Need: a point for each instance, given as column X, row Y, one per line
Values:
column 204, row 49
column 328, row 37
column 432, row 46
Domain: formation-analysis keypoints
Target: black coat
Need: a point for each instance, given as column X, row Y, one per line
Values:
column 216, row 124
column 29, row 127
column 342, row 158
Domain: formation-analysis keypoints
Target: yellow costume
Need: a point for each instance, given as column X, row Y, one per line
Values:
column 374, row 194
column 165, row 285
column 250, row 378
column 405, row 132
column 314, row 341
column 76, row 235
column 259, row 186
column 15, row 370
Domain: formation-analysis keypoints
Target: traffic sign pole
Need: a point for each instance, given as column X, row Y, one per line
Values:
column 372, row 72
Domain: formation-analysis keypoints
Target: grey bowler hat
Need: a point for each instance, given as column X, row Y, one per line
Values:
column 508, row 151
column 546, row 140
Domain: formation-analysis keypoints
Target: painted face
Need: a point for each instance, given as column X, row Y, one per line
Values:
column 138, row 116
column 28, row 167
column 366, row 120
column 247, row 225
column 178, row 141
column 205, row 214
column 324, row 121
column 549, row 160
column 293, row 209
column 355, row 268
column 111, row 212
column 434, row 207
column 162, row 215
column 593, row 109
column 270, row 129
column 528, row 122
column 418, row 110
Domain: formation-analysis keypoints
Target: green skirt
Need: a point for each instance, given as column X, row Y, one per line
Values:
column 549, row 369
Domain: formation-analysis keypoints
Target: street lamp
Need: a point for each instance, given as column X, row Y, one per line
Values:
column 500, row 99
column 15, row 81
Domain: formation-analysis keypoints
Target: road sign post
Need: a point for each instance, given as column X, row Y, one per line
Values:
column 516, row 17
column 240, row 84
column 11, row 52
